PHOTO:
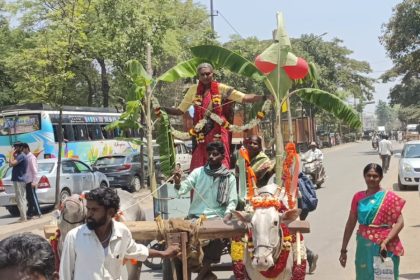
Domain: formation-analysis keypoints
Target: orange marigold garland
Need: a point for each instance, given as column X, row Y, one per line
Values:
column 251, row 177
column 266, row 202
column 291, row 156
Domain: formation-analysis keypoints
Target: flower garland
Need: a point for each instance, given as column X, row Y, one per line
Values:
column 196, row 131
column 287, row 176
column 266, row 202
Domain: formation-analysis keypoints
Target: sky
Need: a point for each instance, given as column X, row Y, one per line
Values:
column 357, row 22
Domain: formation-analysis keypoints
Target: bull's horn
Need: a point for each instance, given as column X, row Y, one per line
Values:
column 278, row 191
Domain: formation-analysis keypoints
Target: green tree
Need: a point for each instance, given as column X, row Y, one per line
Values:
column 385, row 115
column 400, row 37
column 104, row 35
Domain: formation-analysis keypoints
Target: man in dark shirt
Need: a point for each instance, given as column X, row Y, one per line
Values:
column 18, row 162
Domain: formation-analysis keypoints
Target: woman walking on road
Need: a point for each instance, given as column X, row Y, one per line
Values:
column 380, row 220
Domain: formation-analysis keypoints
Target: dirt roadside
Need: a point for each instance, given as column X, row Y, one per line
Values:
column 36, row 226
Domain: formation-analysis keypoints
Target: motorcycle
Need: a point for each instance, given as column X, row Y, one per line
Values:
column 315, row 171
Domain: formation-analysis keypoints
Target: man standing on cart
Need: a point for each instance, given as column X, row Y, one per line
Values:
column 210, row 96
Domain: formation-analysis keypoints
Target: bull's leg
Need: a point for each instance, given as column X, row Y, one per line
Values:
column 133, row 271
column 205, row 273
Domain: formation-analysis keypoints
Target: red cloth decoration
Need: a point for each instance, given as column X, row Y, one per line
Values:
column 239, row 271
column 298, row 71
column 299, row 271
column 264, row 66
column 278, row 268
column 214, row 101
column 54, row 244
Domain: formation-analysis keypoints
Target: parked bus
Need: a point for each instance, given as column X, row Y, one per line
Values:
column 83, row 128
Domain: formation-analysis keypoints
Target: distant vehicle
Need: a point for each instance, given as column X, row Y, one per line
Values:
column 123, row 170
column 381, row 129
column 76, row 177
column 409, row 165
column 412, row 132
column 83, row 128
column 183, row 155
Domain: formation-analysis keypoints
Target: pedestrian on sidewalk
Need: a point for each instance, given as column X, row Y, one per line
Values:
column 30, row 179
column 18, row 163
column 26, row 256
column 98, row 249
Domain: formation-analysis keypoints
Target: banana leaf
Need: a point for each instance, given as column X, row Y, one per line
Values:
column 227, row 59
column 332, row 104
column 185, row 69
column 166, row 145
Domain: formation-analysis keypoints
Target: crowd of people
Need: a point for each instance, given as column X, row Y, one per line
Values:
column 24, row 177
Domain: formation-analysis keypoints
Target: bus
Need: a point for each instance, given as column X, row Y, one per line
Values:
column 83, row 128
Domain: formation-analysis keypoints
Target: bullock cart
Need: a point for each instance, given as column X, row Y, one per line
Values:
column 180, row 232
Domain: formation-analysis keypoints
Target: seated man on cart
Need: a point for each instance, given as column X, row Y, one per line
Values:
column 215, row 196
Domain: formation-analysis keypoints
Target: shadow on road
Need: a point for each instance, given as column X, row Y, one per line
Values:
column 407, row 188
column 369, row 153
column 410, row 276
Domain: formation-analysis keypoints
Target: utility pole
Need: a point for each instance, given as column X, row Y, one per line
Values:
column 212, row 15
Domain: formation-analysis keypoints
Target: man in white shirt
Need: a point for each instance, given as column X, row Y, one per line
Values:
column 97, row 250
column 385, row 152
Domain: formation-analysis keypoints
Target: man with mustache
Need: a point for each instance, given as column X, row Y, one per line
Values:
column 99, row 248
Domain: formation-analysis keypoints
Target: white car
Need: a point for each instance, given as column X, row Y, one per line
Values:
column 409, row 165
column 76, row 177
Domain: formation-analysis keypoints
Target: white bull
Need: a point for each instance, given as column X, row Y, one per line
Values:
column 73, row 214
column 267, row 238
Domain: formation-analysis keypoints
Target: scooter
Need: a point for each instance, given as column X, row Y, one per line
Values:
column 315, row 171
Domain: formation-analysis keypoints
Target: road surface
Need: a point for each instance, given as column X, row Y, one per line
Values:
column 344, row 166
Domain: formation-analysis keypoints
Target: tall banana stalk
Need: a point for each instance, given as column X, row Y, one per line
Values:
column 277, row 80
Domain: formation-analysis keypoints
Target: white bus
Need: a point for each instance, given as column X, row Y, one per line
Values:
column 83, row 128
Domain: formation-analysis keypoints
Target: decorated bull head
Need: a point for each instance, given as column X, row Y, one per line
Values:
column 264, row 224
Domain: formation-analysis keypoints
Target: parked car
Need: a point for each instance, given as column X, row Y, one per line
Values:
column 76, row 177
column 409, row 165
column 122, row 170
column 183, row 155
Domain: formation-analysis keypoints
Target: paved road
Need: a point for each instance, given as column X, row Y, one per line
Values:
column 6, row 218
column 344, row 166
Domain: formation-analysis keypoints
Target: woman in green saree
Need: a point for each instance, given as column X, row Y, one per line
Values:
column 380, row 220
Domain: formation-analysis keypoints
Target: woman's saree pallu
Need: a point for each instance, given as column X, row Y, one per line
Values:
column 376, row 215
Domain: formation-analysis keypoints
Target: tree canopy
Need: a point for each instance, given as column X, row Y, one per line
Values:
column 401, row 38
column 76, row 50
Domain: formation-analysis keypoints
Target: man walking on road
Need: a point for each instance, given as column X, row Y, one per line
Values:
column 385, row 152
column 30, row 180
column 18, row 164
